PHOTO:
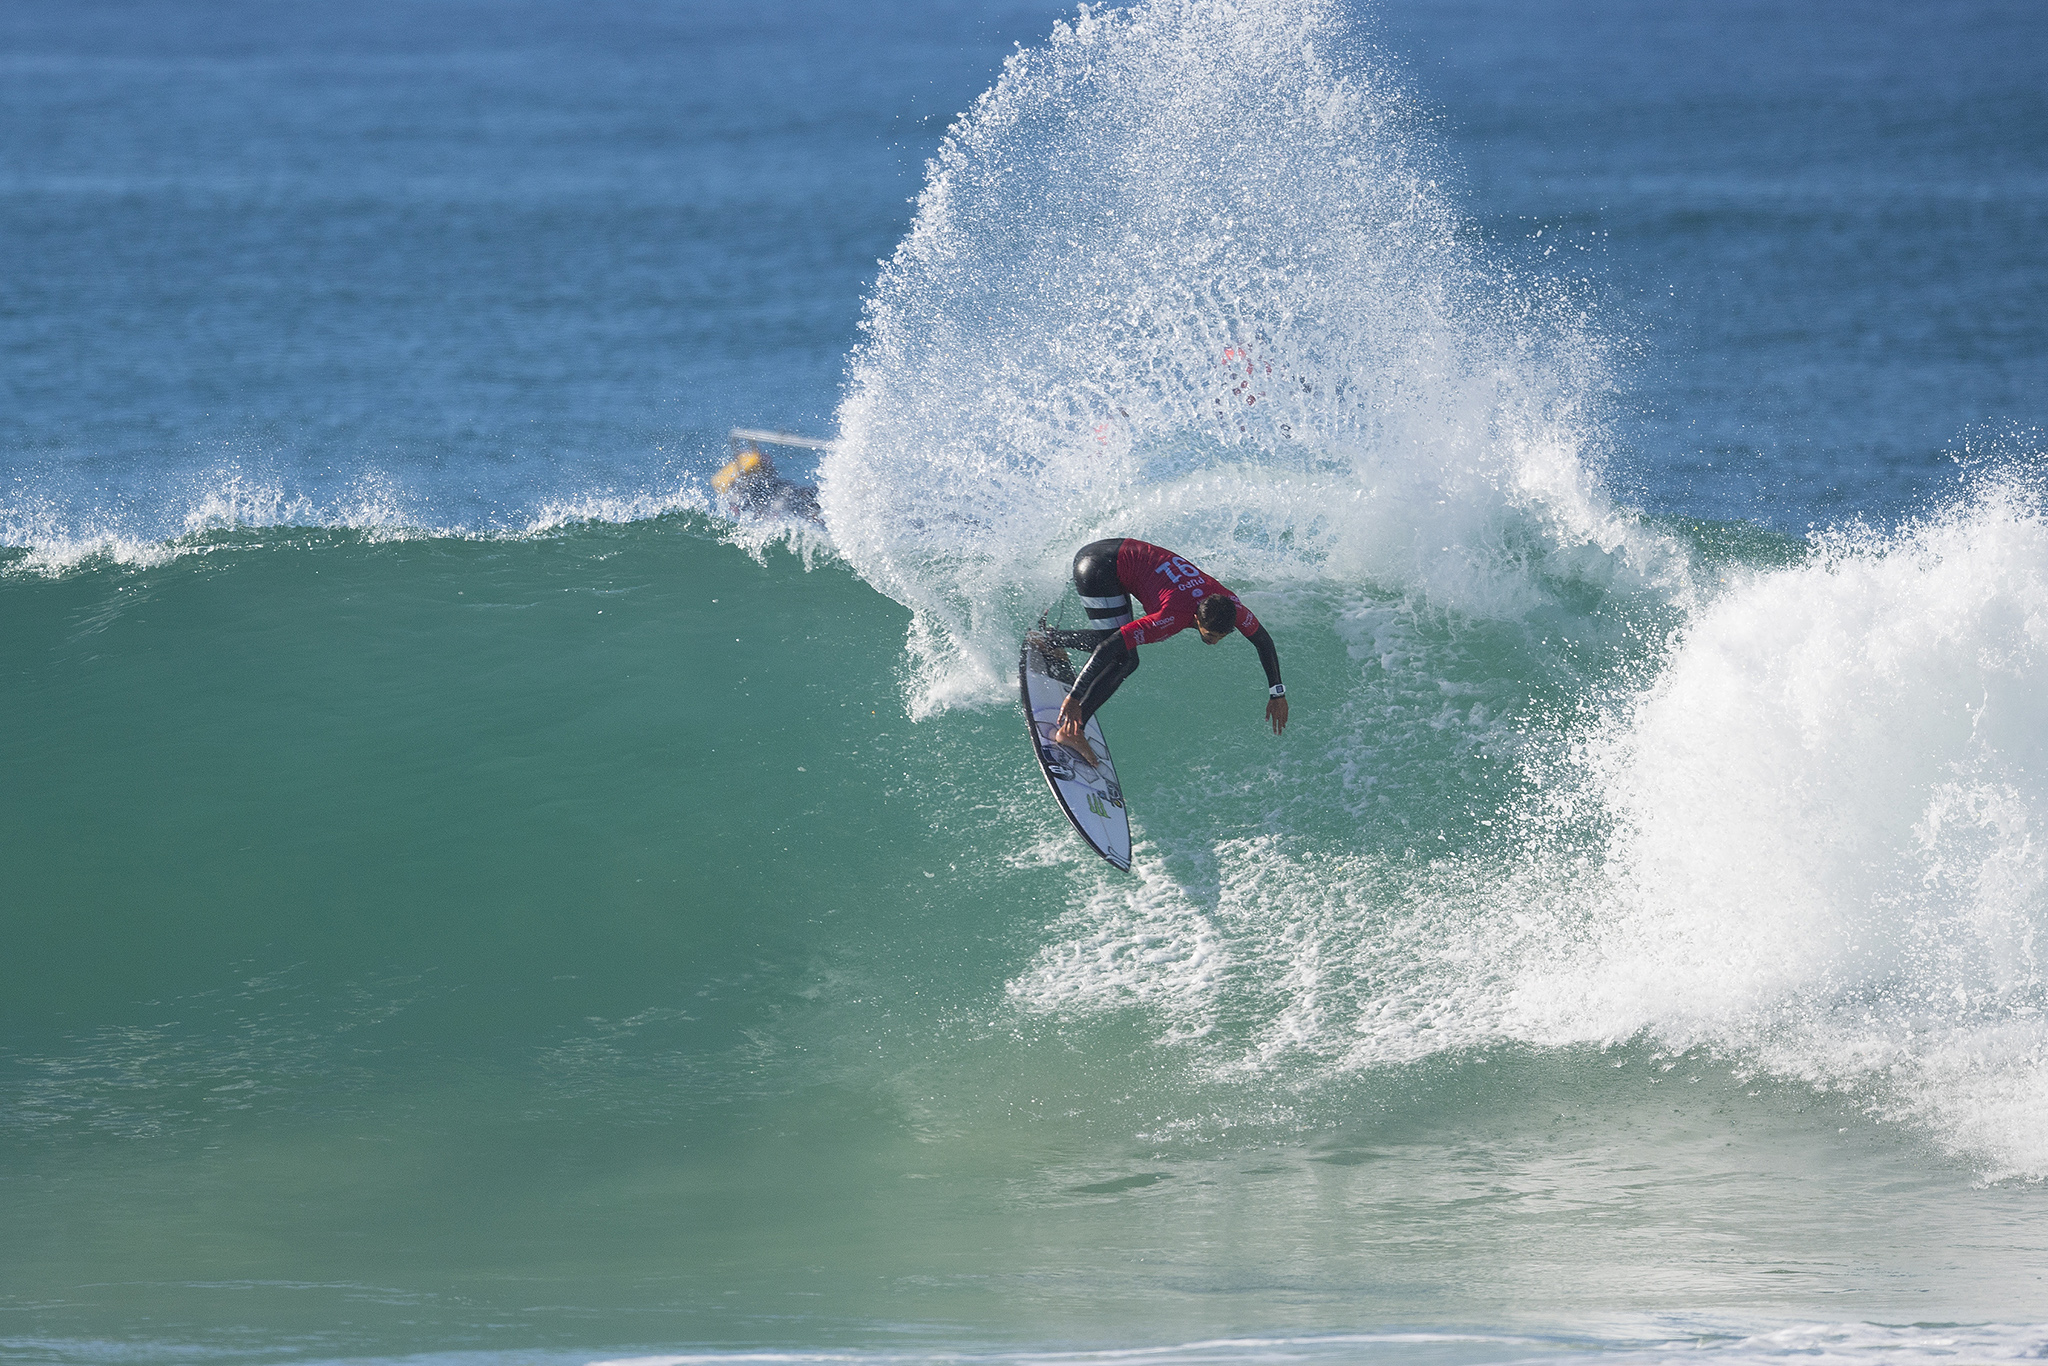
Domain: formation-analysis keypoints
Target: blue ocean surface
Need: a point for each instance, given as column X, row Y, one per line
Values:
column 473, row 893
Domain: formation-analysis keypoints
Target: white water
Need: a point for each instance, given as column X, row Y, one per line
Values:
column 189, row 516
column 1811, row 845
column 1188, row 273
column 1620, row 1344
column 1827, row 816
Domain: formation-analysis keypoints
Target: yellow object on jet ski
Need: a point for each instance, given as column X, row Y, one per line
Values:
column 747, row 466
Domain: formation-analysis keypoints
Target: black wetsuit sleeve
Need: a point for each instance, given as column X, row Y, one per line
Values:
column 1105, row 669
column 1269, row 658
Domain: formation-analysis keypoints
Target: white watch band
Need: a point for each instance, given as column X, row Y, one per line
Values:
column 1277, row 690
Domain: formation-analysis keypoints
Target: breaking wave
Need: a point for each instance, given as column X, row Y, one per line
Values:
column 1190, row 272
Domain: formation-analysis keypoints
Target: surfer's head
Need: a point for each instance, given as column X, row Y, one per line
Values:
column 1215, row 618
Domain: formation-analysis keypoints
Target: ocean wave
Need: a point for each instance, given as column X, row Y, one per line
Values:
column 1809, row 842
column 1615, row 1341
column 52, row 535
column 1188, row 273
column 1667, row 1339
column 1788, row 811
column 1824, row 817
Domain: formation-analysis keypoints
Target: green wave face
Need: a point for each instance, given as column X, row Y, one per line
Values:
column 571, row 943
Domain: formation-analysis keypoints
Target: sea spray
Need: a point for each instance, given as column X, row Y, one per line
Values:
column 1191, row 272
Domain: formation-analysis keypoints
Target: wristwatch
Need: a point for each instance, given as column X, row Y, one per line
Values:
column 1277, row 690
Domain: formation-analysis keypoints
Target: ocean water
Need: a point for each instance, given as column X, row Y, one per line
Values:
column 470, row 897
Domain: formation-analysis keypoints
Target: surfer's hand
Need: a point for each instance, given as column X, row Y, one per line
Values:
column 1276, row 712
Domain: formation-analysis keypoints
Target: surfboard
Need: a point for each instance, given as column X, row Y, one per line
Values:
column 1088, row 793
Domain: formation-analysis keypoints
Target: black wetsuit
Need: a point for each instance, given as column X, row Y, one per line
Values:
column 1106, row 598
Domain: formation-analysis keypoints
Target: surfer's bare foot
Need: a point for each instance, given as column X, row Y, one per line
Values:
column 1074, row 736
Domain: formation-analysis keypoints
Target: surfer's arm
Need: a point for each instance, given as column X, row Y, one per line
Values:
column 1269, row 660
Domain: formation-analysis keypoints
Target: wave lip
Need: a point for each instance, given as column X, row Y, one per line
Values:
column 55, row 535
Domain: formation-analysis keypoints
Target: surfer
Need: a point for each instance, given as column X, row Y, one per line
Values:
column 1107, row 575
column 751, row 485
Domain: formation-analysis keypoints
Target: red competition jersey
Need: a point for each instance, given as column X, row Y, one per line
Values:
column 1170, row 586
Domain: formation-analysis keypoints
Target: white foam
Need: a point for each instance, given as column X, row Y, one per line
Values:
column 1186, row 272
column 1622, row 1342
column 1121, row 946
column 1810, row 839
column 1827, row 819
column 1812, row 844
column 197, row 515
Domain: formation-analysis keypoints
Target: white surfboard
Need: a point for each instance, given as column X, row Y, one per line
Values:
column 1088, row 793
